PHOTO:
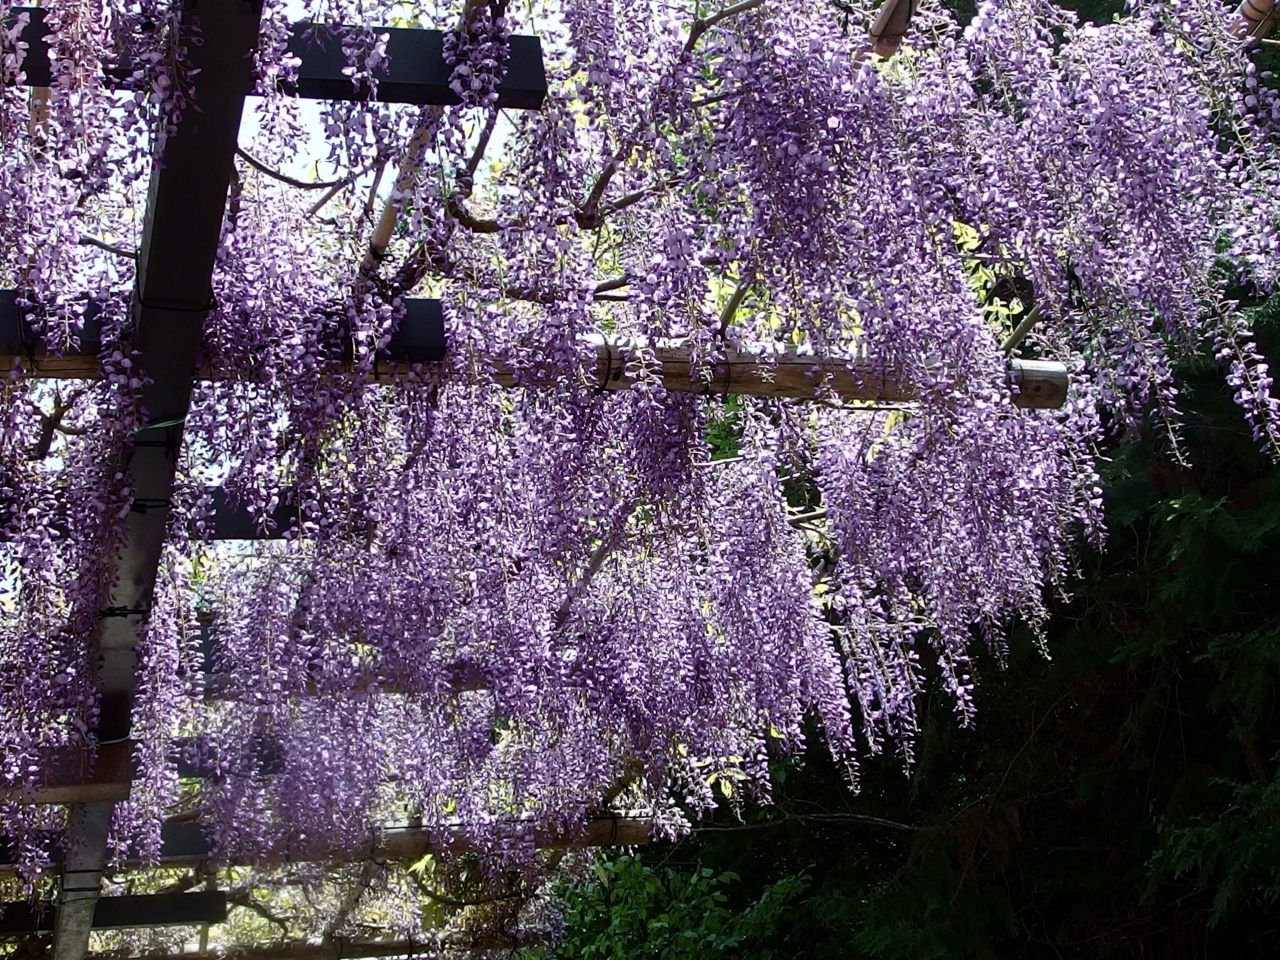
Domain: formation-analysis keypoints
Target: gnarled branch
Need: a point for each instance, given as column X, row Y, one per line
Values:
column 88, row 241
column 285, row 178
column 707, row 23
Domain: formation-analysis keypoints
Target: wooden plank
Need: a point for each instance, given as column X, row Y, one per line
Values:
column 414, row 72
column 122, row 913
column 766, row 371
column 75, row 775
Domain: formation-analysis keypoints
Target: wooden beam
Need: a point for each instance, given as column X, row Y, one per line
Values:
column 182, row 843
column 121, row 913
column 174, row 291
column 777, row 370
column 76, row 775
column 414, row 71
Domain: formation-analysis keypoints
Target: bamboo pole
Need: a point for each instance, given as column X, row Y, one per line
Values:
column 786, row 371
column 409, row 844
column 773, row 370
column 1254, row 18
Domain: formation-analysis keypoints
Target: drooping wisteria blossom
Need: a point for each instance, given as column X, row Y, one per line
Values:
column 504, row 607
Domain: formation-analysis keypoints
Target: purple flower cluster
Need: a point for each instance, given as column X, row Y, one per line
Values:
column 500, row 605
column 478, row 56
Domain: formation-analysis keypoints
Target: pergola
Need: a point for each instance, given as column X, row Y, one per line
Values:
column 184, row 216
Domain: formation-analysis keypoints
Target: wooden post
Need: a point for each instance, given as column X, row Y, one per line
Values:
column 187, row 197
column 891, row 26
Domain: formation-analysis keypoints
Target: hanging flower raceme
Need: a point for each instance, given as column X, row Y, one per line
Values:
column 72, row 150
column 498, row 607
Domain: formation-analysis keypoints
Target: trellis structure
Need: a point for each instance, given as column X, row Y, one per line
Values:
column 173, row 295
column 183, row 224
column 175, row 263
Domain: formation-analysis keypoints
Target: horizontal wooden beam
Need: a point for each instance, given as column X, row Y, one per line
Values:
column 76, row 775
column 181, row 842
column 184, row 844
column 23, row 919
column 343, row 949
column 769, row 370
column 414, row 71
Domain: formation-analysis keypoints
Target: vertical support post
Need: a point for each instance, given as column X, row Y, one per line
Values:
column 186, row 202
column 87, row 825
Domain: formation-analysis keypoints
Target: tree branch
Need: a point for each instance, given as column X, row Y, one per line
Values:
column 617, row 283
column 373, row 191
column 453, row 206
column 51, row 423
column 718, row 98
column 284, row 178
column 702, row 26
column 800, row 518
column 333, row 191
column 242, row 898
column 1021, row 330
column 88, row 241
column 630, row 771
column 368, row 870
column 448, row 901
column 598, row 557
column 735, row 301
column 469, row 172
column 589, row 215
